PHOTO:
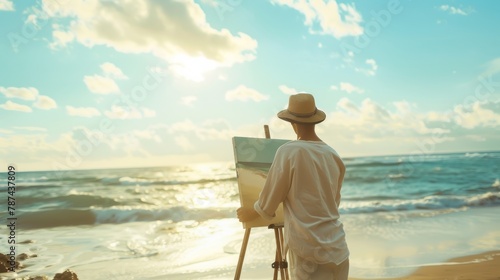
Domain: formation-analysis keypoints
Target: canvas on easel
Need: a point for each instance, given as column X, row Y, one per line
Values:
column 253, row 157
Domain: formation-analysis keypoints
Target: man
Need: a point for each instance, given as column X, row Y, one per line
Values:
column 306, row 175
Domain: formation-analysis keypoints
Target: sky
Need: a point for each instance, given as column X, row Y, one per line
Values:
column 108, row 83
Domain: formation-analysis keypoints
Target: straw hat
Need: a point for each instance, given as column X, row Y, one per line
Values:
column 302, row 109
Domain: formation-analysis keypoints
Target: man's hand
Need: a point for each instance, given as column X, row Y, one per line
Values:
column 246, row 214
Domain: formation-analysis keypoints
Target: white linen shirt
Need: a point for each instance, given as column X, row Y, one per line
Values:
column 307, row 177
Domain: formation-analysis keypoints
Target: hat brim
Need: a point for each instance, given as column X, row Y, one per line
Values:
column 314, row 119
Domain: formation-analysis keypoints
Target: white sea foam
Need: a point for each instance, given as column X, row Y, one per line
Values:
column 496, row 183
column 428, row 202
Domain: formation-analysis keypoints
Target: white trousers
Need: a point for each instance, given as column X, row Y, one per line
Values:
column 302, row 269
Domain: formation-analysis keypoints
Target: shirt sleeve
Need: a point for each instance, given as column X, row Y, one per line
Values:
column 276, row 187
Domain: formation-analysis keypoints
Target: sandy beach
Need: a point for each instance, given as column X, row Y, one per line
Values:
column 485, row 266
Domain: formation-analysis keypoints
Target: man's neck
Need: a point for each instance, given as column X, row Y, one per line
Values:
column 307, row 133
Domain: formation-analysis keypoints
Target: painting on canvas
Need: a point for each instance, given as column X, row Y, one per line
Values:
column 253, row 157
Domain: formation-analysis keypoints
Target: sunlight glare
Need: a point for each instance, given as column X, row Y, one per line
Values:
column 192, row 68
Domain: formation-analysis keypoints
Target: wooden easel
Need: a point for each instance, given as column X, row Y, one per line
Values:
column 280, row 262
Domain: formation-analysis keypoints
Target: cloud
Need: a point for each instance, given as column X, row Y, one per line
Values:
column 371, row 70
column 11, row 106
column 35, row 147
column 492, row 68
column 401, row 125
column 149, row 134
column 346, row 105
column 339, row 20
column 188, row 100
column 184, row 142
column 28, row 93
column 31, row 128
column 101, row 85
column 453, row 10
column 148, row 113
column 6, row 5
column 372, row 121
column 175, row 31
column 287, row 90
column 211, row 129
column 348, row 87
column 118, row 112
column 86, row 112
column 61, row 38
column 5, row 131
column 42, row 102
column 478, row 115
column 45, row 103
column 243, row 93
column 112, row 71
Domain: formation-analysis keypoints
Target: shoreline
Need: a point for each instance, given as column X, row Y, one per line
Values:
column 482, row 266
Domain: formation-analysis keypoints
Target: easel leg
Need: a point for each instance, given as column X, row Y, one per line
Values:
column 283, row 258
column 279, row 251
column 242, row 253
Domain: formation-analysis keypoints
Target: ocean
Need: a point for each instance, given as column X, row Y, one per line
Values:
column 178, row 222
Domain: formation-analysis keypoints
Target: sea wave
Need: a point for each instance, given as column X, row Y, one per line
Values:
column 496, row 183
column 68, row 201
column 426, row 203
column 40, row 183
column 373, row 164
column 47, row 218
column 131, row 181
column 81, row 217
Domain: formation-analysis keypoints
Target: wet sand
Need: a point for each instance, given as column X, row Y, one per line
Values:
column 485, row 266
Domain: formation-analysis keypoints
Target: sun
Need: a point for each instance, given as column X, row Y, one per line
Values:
column 192, row 68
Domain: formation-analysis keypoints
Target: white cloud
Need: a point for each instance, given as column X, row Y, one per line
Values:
column 176, row 31
column 492, row 68
column 339, row 20
column 118, row 112
column 35, row 147
column 112, row 71
column 5, row 131
column 28, row 93
column 31, row 128
column 32, row 19
column 287, row 90
column 453, row 10
column 476, row 116
column 11, row 106
column 477, row 138
column 61, row 37
column 149, row 134
column 372, row 68
column 485, row 114
column 372, row 121
column 182, row 126
column 101, row 85
column 347, row 87
column 45, row 103
column 148, row 113
column 86, row 112
column 184, row 142
column 188, row 100
column 346, row 105
column 212, row 129
column 6, row 5
column 243, row 93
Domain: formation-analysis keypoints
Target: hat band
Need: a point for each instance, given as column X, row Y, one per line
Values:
column 303, row 115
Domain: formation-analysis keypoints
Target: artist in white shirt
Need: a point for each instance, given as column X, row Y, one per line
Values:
column 306, row 175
